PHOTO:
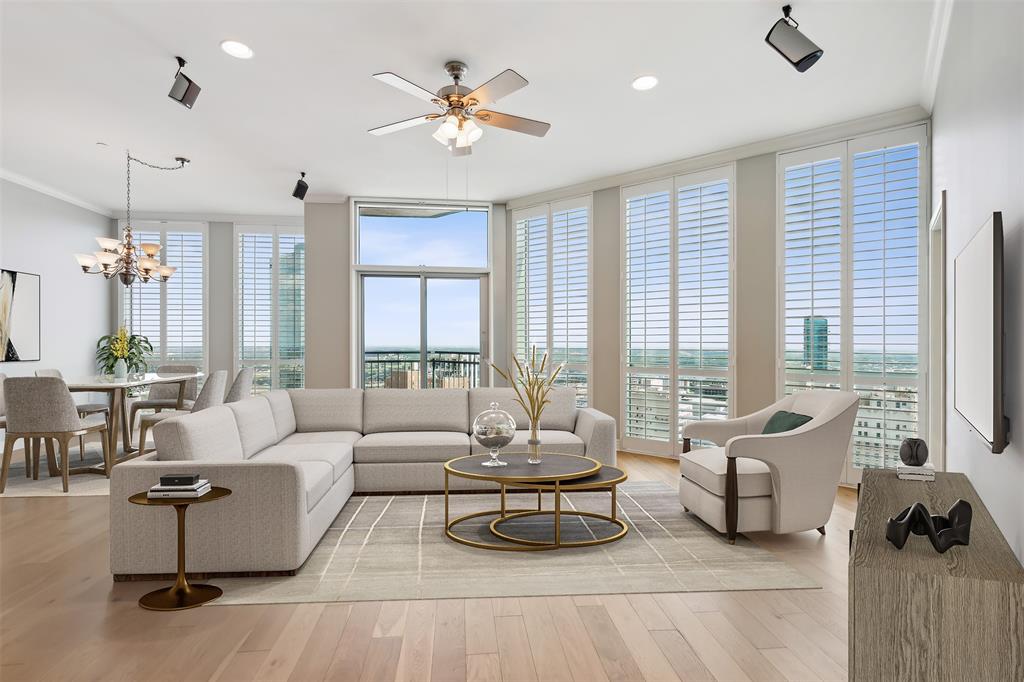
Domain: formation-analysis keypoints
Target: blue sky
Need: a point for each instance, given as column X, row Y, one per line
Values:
column 392, row 304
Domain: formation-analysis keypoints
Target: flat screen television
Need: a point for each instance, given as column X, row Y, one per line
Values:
column 978, row 334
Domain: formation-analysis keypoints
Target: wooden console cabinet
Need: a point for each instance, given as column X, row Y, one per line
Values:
column 916, row 614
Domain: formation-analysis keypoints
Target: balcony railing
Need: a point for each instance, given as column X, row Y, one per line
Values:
column 401, row 369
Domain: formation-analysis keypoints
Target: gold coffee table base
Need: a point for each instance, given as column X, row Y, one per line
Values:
column 540, row 544
column 176, row 598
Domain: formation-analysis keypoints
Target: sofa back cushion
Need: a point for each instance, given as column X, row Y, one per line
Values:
column 559, row 415
column 284, row 415
column 255, row 422
column 432, row 409
column 209, row 434
column 328, row 409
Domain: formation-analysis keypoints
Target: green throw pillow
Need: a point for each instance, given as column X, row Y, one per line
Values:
column 785, row 421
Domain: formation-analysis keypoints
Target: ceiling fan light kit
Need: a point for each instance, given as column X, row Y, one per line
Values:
column 460, row 110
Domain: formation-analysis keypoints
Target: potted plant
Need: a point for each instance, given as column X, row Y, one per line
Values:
column 122, row 353
column 532, row 386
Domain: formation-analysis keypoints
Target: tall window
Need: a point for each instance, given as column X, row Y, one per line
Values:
column 270, row 300
column 422, row 285
column 171, row 315
column 854, row 257
column 552, row 288
column 678, row 274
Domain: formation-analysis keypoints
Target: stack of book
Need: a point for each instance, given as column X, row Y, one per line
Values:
column 180, row 485
column 926, row 472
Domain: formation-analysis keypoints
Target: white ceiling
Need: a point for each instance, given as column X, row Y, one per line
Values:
column 77, row 73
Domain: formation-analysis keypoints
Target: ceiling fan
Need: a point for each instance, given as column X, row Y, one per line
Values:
column 460, row 108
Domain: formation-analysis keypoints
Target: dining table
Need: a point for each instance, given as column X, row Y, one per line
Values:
column 117, row 388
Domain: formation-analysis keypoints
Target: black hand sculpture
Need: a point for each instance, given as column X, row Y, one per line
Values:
column 943, row 531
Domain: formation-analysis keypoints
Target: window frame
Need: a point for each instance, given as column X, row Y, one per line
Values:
column 358, row 270
column 548, row 211
column 276, row 231
column 846, row 150
column 164, row 227
column 673, row 447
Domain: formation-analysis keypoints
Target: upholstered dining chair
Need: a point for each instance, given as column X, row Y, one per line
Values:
column 42, row 408
column 211, row 396
column 783, row 482
column 84, row 409
column 241, row 388
column 3, row 425
column 165, row 396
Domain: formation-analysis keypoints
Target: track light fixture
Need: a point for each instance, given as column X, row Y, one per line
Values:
column 301, row 187
column 184, row 91
column 788, row 41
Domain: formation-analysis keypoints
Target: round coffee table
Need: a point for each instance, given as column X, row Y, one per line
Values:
column 558, row 473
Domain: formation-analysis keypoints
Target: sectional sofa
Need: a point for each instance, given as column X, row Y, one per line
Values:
column 293, row 458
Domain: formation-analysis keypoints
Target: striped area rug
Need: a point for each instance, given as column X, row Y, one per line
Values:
column 382, row 547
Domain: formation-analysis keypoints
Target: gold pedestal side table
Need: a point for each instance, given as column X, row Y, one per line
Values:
column 182, row 594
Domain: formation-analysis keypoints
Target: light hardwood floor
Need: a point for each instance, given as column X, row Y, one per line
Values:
column 62, row 618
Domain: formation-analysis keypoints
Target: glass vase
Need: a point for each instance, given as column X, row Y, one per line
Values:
column 535, row 455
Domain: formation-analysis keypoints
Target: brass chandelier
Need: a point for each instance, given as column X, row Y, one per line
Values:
column 121, row 257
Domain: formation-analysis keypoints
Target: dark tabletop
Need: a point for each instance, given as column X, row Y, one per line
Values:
column 607, row 476
column 214, row 494
column 553, row 468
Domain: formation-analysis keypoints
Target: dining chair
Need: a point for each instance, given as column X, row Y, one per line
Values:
column 211, row 396
column 3, row 425
column 242, row 386
column 165, row 396
column 84, row 409
column 42, row 408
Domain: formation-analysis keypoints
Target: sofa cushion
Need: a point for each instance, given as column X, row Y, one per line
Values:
column 434, row 409
column 328, row 409
column 284, row 415
column 317, row 477
column 564, row 442
column 707, row 466
column 338, row 455
column 559, row 415
column 255, row 422
column 411, row 446
column 208, row 435
column 783, row 421
column 349, row 437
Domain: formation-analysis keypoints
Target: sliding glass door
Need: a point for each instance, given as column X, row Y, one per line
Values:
column 423, row 331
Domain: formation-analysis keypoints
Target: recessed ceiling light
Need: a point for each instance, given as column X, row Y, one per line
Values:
column 644, row 82
column 237, row 49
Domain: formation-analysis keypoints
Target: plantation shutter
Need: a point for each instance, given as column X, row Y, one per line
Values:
column 255, row 306
column 184, row 299
column 570, row 315
column 648, row 284
column 141, row 307
column 552, row 264
column 291, row 306
column 703, row 298
column 886, row 307
column 812, row 297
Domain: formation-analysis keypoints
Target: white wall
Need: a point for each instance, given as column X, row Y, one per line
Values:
column 328, row 296
column 41, row 234
column 978, row 157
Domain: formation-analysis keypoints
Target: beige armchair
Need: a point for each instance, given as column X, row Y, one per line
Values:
column 782, row 482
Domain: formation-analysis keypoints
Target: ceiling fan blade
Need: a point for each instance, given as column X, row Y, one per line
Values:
column 516, row 123
column 402, row 125
column 397, row 81
column 505, row 83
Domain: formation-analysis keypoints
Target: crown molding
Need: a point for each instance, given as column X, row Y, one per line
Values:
column 235, row 218
column 808, row 138
column 942, row 13
column 49, row 191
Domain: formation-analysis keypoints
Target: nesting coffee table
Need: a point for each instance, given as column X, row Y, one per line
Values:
column 558, row 473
